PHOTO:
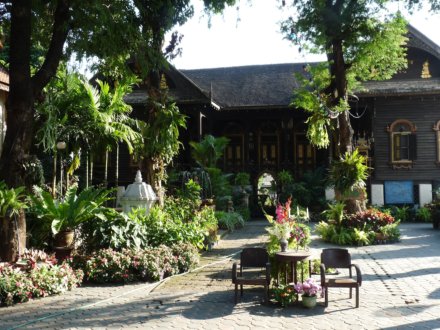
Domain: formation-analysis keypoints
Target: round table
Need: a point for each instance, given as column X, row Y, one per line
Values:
column 292, row 257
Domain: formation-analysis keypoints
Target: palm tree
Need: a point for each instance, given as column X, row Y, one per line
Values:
column 208, row 151
column 87, row 119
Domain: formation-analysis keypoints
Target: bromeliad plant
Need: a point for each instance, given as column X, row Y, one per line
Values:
column 70, row 212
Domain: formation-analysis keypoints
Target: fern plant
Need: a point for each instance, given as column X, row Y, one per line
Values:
column 349, row 172
column 12, row 200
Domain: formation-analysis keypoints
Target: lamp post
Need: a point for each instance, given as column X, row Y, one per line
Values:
column 61, row 146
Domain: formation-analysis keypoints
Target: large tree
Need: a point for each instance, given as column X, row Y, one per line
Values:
column 361, row 43
column 111, row 30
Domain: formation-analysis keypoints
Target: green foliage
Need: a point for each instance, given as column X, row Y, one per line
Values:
column 114, row 230
column 208, row 221
column 229, row 220
column 73, row 210
column 360, row 45
column 310, row 98
column 33, row 172
column 161, row 135
column 244, row 211
column 208, row 151
column 360, row 229
column 361, row 237
column 348, row 173
column 335, row 212
column 12, row 200
column 201, row 177
column 221, row 187
column 423, row 214
column 401, row 213
column 284, row 178
column 86, row 118
column 308, row 192
column 325, row 230
column 391, row 231
column 191, row 193
column 242, row 179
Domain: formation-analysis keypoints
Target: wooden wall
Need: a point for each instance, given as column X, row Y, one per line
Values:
column 424, row 112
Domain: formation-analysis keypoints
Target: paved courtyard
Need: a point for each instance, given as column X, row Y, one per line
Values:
column 401, row 290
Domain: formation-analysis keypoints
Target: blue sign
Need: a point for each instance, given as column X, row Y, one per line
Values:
column 399, row 192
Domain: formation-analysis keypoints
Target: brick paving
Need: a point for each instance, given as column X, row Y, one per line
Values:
column 400, row 290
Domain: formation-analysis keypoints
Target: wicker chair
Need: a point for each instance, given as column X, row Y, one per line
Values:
column 252, row 260
column 339, row 258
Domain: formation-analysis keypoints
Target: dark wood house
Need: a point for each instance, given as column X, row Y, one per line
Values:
column 396, row 122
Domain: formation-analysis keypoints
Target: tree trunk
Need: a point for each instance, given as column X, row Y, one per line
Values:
column 339, row 92
column 20, row 111
column 13, row 234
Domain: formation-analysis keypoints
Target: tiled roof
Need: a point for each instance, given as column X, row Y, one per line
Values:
column 250, row 86
column 400, row 87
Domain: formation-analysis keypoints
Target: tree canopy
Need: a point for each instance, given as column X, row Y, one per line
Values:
column 360, row 42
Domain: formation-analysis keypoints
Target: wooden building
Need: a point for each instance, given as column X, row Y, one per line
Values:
column 396, row 122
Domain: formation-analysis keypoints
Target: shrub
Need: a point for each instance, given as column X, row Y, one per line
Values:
column 108, row 266
column 423, row 214
column 229, row 220
column 114, row 230
column 38, row 280
column 150, row 264
column 187, row 256
column 361, row 228
column 401, row 213
column 371, row 219
column 244, row 212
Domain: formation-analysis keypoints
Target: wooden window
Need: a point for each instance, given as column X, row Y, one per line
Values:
column 268, row 141
column 403, row 143
column 304, row 155
column 234, row 153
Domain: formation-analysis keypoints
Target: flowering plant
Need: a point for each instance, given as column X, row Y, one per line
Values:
column 309, row 288
column 371, row 219
column 284, row 294
column 280, row 230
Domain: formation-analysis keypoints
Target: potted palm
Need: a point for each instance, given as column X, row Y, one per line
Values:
column 65, row 215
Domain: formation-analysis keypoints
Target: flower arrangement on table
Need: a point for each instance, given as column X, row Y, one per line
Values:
column 288, row 226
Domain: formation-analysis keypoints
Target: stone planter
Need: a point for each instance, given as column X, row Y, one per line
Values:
column 64, row 239
column 308, row 301
column 62, row 253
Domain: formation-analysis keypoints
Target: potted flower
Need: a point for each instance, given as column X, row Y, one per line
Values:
column 284, row 295
column 309, row 290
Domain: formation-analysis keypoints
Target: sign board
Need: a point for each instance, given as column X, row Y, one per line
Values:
column 399, row 192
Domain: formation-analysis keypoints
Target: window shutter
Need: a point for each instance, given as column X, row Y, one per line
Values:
column 413, row 147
